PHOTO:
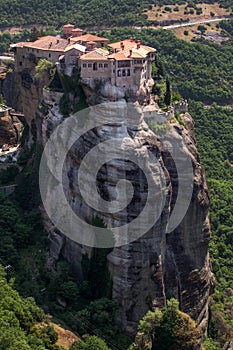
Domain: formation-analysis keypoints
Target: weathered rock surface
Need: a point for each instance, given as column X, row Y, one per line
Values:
column 10, row 90
column 158, row 265
column 10, row 130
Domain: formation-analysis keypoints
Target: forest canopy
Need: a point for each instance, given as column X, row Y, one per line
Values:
column 82, row 13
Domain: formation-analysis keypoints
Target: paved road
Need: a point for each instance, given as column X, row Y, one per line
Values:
column 194, row 23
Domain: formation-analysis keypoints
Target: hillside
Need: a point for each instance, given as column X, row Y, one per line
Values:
column 85, row 14
column 18, row 321
column 202, row 73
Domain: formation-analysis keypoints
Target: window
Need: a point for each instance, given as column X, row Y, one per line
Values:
column 137, row 61
column 119, row 73
column 105, row 65
column 94, row 66
column 113, row 71
column 49, row 54
column 89, row 65
column 123, row 73
column 37, row 51
column 101, row 65
column 84, row 65
column 128, row 72
column 122, row 64
column 20, row 63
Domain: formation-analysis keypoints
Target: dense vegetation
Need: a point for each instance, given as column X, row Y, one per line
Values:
column 80, row 12
column 84, row 14
column 19, row 319
column 201, row 71
column 214, row 128
column 227, row 26
column 167, row 329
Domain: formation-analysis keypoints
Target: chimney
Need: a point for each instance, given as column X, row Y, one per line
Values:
column 130, row 52
column 131, row 39
column 57, row 41
column 138, row 44
column 122, row 45
column 50, row 44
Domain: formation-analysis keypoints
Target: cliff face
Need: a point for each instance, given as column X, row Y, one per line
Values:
column 161, row 263
column 9, row 89
column 10, row 130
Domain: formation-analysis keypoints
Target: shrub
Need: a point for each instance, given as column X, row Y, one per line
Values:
column 44, row 67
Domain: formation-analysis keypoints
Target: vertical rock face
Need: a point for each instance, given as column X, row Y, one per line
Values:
column 10, row 130
column 159, row 264
column 9, row 89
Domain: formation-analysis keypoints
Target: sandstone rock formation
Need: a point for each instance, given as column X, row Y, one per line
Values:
column 10, row 130
column 9, row 89
column 159, row 264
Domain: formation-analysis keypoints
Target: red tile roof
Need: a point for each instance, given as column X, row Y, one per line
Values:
column 68, row 25
column 97, row 55
column 132, row 45
column 90, row 37
column 120, row 56
column 77, row 30
column 50, row 43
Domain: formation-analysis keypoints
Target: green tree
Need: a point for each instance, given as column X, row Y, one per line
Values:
column 168, row 93
column 90, row 343
column 169, row 329
column 44, row 67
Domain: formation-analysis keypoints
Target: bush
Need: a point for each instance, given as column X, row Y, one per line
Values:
column 8, row 175
column 45, row 67
column 89, row 343
column 210, row 344
column 201, row 28
column 168, row 9
column 199, row 11
column 169, row 328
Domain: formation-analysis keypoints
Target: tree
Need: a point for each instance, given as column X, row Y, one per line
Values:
column 45, row 67
column 90, row 343
column 168, row 94
column 169, row 329
column 19, row 320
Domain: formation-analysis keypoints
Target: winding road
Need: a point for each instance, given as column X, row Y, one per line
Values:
column 194, row 23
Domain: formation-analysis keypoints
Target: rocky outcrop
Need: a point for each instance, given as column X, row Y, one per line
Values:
column 161, row 263
column 10, row 130
column 10, row 90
